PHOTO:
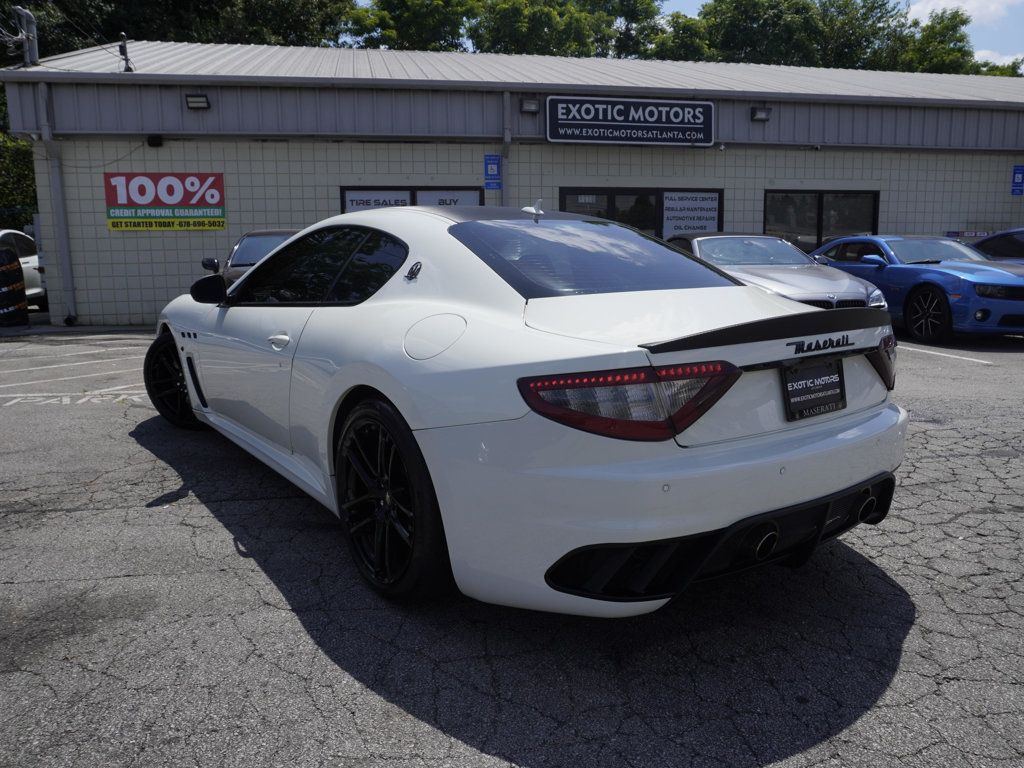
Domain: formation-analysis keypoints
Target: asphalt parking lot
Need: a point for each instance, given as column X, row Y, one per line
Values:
column 166, row 600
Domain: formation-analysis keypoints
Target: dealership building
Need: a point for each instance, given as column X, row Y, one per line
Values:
column 142, row 173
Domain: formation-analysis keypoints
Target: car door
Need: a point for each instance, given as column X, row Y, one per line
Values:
column 245, row 351
column 26, row 249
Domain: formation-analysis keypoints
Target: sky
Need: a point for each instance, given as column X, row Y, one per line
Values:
column 997, row 31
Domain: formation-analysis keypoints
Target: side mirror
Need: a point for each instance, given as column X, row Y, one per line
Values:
column 211, row 264
column 873, row 259
column 209, row 290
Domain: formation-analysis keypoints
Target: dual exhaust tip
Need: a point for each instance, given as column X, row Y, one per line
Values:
column 764, row 538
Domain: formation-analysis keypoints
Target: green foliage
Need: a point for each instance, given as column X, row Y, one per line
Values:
column 763, row 31
column 862, row 34
column 411, row 25
column 681, row 38
column 17, row 182
column 941, row 45
column 1014, row 69
column 66, row 25
column 554, row 27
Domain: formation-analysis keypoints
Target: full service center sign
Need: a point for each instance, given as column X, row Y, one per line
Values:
column 587, row 120
column 164, row 201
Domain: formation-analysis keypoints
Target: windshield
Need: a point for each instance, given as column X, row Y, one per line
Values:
column 737, row 251
column 252, row 248
column 915, row 251
column 558, row 257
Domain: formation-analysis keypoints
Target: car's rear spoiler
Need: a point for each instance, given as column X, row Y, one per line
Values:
column 803, row 324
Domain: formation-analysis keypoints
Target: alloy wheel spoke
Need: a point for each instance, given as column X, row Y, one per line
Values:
column 403, row 533
column 353, row 502
column 357, row 462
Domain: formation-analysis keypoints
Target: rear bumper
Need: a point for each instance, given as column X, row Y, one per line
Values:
column 518, row 496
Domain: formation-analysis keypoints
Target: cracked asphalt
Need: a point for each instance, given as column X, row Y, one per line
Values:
column 166, row 600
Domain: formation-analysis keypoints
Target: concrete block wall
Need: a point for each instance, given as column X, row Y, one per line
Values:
column 127, row 277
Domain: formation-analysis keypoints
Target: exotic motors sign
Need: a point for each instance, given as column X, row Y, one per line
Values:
column 164, row 201
column 587, row 120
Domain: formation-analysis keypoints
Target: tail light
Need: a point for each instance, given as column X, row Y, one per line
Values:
column 631, row 403
column 883, row 360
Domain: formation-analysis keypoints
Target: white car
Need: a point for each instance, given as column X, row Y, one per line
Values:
column 25, row 247
column 556, row 411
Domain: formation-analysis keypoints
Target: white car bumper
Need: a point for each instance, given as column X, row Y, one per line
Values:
column 516, row 496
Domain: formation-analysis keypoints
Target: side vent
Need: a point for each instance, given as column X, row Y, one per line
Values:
column 195, row 382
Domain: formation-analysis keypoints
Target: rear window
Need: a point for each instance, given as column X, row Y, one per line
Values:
column 559, row 257
column 762, row 251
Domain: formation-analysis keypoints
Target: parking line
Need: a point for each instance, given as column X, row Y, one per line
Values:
column 945, row 354
column 66, row 378
column 114, row 389
column 75, row 354
column 68, row 365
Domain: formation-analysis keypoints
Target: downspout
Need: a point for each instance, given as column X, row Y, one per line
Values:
column 62, row 242
column 506, row 141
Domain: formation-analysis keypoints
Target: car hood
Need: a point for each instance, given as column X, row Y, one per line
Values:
column 982, row 270
column 640, row 317
column 802, row 280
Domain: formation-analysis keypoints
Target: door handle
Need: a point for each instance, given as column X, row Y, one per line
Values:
column 279, row 340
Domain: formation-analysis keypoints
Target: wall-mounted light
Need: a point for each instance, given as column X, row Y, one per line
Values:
column 197, row 101
column 154, row 140
column 529, row 105
column 760, row 114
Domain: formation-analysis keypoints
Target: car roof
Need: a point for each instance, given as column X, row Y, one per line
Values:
column 702, row 235
column 461, row 213
column 269, row 232
column 1011, row 231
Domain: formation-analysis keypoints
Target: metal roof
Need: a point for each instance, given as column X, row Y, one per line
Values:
column 187, row 63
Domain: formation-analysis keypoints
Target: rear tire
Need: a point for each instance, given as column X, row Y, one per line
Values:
column 927, row 316
column 388, row 507
column 165, row 383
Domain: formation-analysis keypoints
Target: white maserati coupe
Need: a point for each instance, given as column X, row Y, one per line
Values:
column 553, row 411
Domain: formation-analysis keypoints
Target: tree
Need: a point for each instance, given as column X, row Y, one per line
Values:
column 681, row 38
column 554, row 27
column 862, row 34
column 66, row 25
column 1014, row 68
column 941, row 45
column 763, row 31
column 411, row 25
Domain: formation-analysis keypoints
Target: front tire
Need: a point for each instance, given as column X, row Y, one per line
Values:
column 165, row 383
column 927, row 317
column 388, row 506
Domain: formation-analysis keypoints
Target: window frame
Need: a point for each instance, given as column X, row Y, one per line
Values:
column 366, row 232
column 820, row 214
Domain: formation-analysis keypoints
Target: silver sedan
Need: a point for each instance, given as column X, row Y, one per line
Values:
column 782, row 268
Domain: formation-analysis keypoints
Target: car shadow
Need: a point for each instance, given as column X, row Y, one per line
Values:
column 969, row 343
column 744, row 671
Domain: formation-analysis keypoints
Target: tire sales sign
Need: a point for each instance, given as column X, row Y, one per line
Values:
column 164, row 201
column 592, row 120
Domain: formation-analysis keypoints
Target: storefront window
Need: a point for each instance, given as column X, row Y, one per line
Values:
column 807, row 219
column 659, row 212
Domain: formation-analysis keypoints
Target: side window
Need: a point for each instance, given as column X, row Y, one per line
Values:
column 856, row 251
column 377, row 259
column 302, row 272
column 832, row 254
column 25, row 245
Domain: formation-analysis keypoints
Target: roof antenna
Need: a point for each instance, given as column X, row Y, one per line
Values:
column 123, row 50
column 535, row 210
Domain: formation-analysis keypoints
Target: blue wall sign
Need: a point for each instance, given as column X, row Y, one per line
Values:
column 1017, row 184
column 492, row 171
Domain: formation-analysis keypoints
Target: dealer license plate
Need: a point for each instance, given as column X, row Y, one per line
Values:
column 813, row 388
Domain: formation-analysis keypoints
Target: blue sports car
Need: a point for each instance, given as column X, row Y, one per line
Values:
column 934, row 286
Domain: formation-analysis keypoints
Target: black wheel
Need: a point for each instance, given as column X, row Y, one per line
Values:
column 927, row 315
column 165, row 383
column 388, row 505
